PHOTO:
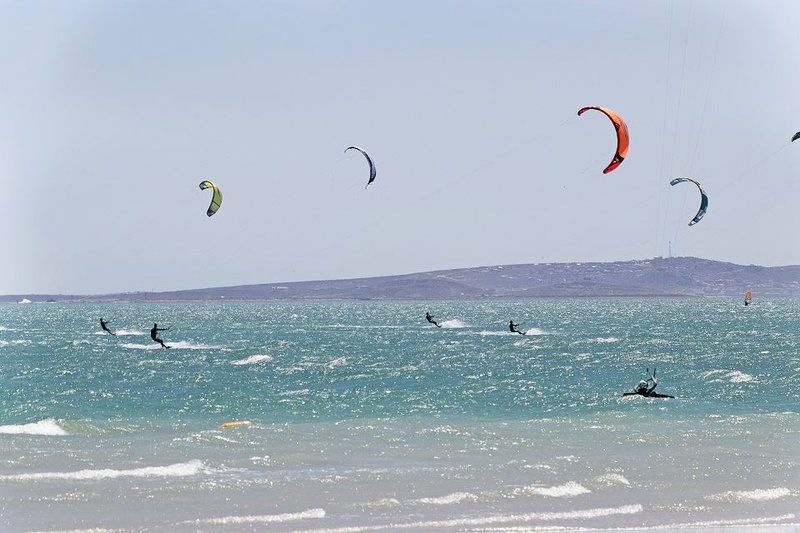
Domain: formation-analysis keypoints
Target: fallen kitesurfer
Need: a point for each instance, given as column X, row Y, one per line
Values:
column 647, row 387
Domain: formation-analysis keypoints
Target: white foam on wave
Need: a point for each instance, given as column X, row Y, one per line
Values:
column 189, row 468
column 128, row 332
column 449, row 499
column 605, row 340
column 4, row 328
column 339, row 361
column 732, row 376
column 453, row 324
column 259, row 519
column 758, row 495
column 781, row 519
column 47, row 427
column 490, row 520
column 610, row 479
column 567, row 490
column 179, row 345
column 383, row 502
column 252, row 359
column 14, row 343
column 532, row 332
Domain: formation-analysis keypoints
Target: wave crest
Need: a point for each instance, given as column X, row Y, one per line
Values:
column 252, row 359
column 189, row 468
column 47, row 427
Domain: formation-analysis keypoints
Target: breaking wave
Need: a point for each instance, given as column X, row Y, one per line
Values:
column 731, row 376
column 252, row 359
column 44, row 427
column 189, row 468
column 456, row 497
column 495, row 519
column 758, row 495
column 567, row 490
column 260, row 519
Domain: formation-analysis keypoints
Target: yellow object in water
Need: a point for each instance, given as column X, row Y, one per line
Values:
column 226, row 425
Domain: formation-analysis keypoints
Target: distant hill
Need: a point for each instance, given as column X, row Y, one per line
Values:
column 676, row 276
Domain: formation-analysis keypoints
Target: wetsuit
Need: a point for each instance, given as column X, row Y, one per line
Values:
column 513, row 328
column 430, row 319
column 154, row 332
column 105, row 327
column 648, row 392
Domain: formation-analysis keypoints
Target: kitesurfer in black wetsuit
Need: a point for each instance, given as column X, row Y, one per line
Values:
column 154, row 335
column 429, row 318
column 513, row 328
column 104, row 325
column 644, row 388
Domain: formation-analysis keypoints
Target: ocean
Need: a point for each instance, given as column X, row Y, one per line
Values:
column 363, row 417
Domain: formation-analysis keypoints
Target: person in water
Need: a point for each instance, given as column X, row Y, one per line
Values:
column 104, row 325
column 647, row 387
column 514, row 328
column 154, row 334
column 429, row 318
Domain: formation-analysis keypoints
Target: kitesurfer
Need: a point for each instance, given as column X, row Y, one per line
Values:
column 429, row 318
column 647, row 387
column 104, row 325
column 513, row 328
column 154, row 335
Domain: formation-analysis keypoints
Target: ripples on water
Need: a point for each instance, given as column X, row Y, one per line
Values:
column 363, row 414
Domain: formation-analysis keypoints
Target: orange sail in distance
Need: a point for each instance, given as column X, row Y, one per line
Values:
column 748, row 297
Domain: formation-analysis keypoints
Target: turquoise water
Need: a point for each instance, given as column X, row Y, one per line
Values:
column 364, row 416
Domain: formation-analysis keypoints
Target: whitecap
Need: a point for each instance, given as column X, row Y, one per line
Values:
column 610, row 478
column 252, row 359
column 44, row 427
column 758, row 495
column 567, row 490
column 732, row 376
column 337, row 362
column 189, row 468
column 19, row 342
column 449, row 499
column 584, row 514
column 260, row 519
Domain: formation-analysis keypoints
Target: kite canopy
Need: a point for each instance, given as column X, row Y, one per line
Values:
column 703, row 199
column 622, row 135
column 796, row 136
column 216, row 198
column 372, row 171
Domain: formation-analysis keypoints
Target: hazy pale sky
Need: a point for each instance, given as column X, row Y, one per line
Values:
column 111, row 113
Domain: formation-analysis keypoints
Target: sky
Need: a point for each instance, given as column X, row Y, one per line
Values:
column 111, row 113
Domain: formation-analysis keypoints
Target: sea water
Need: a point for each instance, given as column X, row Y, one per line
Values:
column 363, row 417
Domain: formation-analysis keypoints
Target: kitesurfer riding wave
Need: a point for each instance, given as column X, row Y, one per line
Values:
column 513, row 328
column 429, row 318
column 154, row 335
column 104, row 325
